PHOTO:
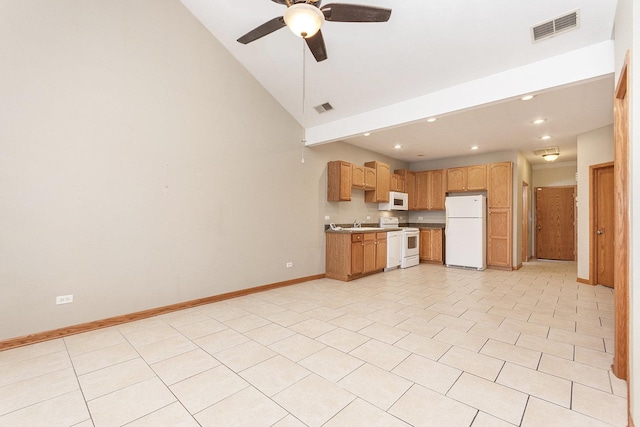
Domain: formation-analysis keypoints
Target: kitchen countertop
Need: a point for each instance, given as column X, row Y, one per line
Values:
column 350, row 230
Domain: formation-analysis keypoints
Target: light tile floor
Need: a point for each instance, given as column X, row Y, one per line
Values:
column 425, row 346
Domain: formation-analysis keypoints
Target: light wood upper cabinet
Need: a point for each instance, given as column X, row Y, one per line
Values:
column 437, row 189
column 500, row 182
column 456, row 179
column 430, row 190
column 397, row 183
column 339, row 181
column 363, row 177
column 467, row 178
column 383, row 182
column 409, row 186
column 369, row 178
column 476, row 177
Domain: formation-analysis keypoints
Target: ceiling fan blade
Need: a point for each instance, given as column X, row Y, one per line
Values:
column 317, row 47
column 343, row 12
column 264, row 29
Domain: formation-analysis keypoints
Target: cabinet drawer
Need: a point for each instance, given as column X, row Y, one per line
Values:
column 356, row 237
column 369, row 237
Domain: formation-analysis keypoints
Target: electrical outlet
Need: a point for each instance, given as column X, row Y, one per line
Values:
column 326, row 217
column 289, row 264
column 368, row 216
column 64, row 299
column 420, row 218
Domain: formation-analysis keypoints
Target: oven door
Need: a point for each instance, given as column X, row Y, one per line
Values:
column 410, row 243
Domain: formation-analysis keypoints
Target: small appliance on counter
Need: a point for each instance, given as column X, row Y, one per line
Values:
column 409, row 243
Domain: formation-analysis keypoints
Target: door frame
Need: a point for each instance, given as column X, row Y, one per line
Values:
column 525, row 221
column 620, row 366
column 593, row 213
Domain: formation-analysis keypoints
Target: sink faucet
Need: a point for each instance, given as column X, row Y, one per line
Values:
column 356, row 224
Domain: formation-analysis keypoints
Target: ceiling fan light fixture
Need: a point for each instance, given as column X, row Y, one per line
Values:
column 303, row 19
column 550, row 157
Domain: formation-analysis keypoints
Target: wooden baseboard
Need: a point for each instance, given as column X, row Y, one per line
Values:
column 585, row 281
column 117, row 320
column 498, row 267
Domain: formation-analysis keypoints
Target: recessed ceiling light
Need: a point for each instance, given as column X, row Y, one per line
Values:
column 527, row 97
column 367, row 134
column 474, row 147
column 419, row 155
column 432, row 119
column 538, row 121
column 545, row 137
column 397, row 146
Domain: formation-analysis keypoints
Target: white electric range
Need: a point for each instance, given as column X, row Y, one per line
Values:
column 409, row 247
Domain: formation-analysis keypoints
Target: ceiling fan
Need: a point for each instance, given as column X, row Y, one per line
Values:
column 305, row 17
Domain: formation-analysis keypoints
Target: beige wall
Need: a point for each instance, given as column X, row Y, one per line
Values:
column 138, row 168
column 555, row 174
column 594, row 147
column 523, row 174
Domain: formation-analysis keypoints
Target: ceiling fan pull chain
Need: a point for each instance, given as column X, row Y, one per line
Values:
column 304, row 63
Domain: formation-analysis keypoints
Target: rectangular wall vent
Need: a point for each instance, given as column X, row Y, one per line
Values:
column 323, row 108
column 559, row 24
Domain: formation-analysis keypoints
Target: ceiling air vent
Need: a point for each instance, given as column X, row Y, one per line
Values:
column 323, row 108
column 559, row 24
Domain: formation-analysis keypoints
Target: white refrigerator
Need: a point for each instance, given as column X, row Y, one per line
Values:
column 466, row 231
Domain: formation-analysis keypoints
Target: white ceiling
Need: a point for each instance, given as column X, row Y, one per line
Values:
column 428, row 47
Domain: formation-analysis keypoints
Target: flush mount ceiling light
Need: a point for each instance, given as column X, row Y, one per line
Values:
column 538, row 121
column 545, row 137
column 303, row 19
column 397, row 146
column 474, row 147
column 527, row 97
column 550, row 157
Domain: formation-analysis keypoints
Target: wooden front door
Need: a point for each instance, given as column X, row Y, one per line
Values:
column 555, row 224
column 603, row 225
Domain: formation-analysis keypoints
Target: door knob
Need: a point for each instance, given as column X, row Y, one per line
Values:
column 599, row 232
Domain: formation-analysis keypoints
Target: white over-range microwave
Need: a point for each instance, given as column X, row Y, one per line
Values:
column 397, row 202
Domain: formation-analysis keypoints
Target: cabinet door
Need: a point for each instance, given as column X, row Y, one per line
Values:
column 369, row 248
column 422, row 190
column 357, row 176
column 410, row 188
column 357, row 258
column 499, row 238
column 425, row 245
column 394, row 186
column 499, row 185
column 437, row 187
column 477, row 177
column 381, row 250
column 383, row 183
column 369, row 178
column 457, row 179
column 436, row 245
column 338, row 181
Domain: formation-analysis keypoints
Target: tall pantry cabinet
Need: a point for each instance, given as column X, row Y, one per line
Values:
column 500, row 211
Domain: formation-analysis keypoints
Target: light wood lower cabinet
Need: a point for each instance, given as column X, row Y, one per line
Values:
column 431, row 245
column 350, row 256
column 499, row 237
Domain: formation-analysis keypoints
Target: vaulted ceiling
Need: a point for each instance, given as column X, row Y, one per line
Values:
column 466, row 62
